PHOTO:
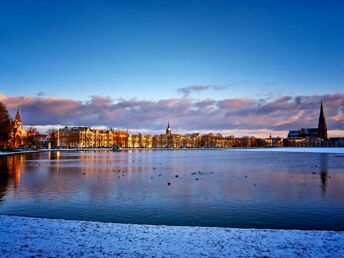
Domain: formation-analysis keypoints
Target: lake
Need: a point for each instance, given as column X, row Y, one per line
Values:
column 224, row 188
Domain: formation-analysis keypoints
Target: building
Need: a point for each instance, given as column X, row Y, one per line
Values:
column 311, row 133
column 322, row 127
column 86, row 137
column 18, row 135
column 336, row 142
column 140, row 141
column 270, row 142
column 168, row 129
column 194, row 140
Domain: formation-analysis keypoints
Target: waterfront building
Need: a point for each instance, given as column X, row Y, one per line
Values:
column 245, row 142
column 270, row 142
column 140, row 141
column 336, row 142
column 86, row 137
column 322, row 127
column 310, row 137
column 194, row 140
column 168, row 129
column 18, row 135
column 162, row 141
column 312, row 133
column 191, row 140
column 134, row 141
column 42, row 141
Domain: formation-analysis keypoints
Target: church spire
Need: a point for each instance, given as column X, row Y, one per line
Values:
column 168, row 129
column 18, row 118
column 322, row 127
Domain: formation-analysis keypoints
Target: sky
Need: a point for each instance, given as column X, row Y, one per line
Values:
column 182, row 59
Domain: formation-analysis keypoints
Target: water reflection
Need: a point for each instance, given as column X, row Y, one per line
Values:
column 207, row 187
column 10, row 172
column 4, row 182
column 324, row 173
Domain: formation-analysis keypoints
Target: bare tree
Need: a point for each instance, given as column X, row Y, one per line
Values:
column 31, row 134
column 53, row 137
column 5, row 125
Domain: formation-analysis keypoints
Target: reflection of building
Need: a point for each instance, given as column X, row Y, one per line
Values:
column 314, row 133
column 10, row 169
column 85, row 137
column 17, row 135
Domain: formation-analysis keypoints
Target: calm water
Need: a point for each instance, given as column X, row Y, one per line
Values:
column 207, row 187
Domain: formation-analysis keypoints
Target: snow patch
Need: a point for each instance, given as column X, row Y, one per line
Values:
column 22, row 236
column 334, row 150
column 17, row 152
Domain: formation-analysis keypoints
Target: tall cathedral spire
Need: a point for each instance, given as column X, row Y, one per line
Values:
column 322, row 127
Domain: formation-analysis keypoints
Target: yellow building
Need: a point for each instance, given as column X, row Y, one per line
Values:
column 86, row 137
column 140, row 141
column 18, row 135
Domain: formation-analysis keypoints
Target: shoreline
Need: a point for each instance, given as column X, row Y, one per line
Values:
column 329, row 150
column 9, row 153
column 26, row 236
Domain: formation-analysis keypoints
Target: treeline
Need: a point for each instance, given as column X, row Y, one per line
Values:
column 5, row 125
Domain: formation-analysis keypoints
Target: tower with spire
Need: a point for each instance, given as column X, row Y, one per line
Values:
column 17, row 120
column 168, row 129
column 314, row 133
column 18, row 135
column 322, row 127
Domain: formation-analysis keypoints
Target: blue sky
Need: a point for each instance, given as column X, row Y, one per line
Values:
column 150, row 49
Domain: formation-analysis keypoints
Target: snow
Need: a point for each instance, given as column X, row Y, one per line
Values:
column 23, row 236
column 334, row 150
column 17, row 152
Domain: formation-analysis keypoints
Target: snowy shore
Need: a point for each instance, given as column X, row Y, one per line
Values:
column 17, row 152
column 23, row 237
column 333, row 150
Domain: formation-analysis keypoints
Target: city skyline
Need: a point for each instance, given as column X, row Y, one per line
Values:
column 227, row 66
column 264, row 117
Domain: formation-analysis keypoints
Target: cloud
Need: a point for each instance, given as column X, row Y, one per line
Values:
column 186, row 91
column 185, row 114
column 41, row 94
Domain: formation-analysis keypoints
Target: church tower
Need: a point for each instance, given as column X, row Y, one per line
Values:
column 17, row 121
column 168, row 129
column 322, row 127
column 18, row 134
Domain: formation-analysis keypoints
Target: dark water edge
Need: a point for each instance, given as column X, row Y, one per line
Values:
column 220, row 188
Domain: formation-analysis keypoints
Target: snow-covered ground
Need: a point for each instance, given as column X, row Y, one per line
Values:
column 339, row 150
column 24, row 237
column 17, row 152
column 334, row 150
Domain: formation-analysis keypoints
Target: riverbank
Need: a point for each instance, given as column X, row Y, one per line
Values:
column 333, row 150
column 7, row 153
column 23, row 236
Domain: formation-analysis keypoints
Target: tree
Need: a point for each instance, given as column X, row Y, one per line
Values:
column 53, row 137
column 5, row 125
column 31, row 134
